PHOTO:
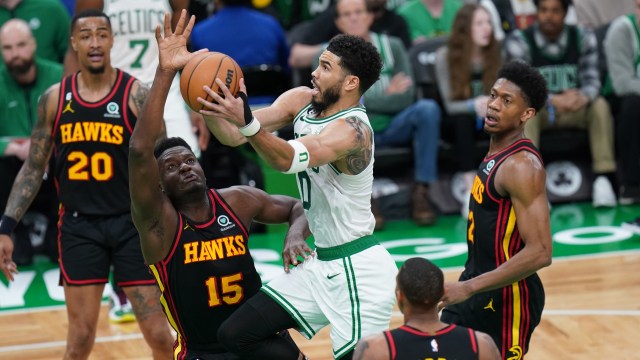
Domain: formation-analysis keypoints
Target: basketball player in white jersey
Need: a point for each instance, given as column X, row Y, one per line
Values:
column 350, row 281
column 135, row 51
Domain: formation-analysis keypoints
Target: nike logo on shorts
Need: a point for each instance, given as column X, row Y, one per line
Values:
column 331, row 276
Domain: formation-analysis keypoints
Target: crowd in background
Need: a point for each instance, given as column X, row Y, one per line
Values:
column 588, row 50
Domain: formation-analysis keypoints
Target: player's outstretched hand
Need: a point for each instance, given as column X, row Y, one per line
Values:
column 172, row 45
column 294, row 246
column 7, row 265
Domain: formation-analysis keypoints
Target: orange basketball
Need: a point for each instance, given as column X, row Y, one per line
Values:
column 204, row 69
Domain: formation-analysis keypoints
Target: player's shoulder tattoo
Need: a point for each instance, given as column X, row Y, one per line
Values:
column 360, row 157
column 139, row 95
column 41, row 133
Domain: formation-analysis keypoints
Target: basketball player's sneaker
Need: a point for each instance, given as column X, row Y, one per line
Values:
column 120, row 311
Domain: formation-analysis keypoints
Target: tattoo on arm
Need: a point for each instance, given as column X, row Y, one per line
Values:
column 360, row 349
column 28, row 181
column 360, row 157
column 139, row 96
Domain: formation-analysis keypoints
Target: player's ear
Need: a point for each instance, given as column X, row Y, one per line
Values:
column 351, row 83
column 527, row 115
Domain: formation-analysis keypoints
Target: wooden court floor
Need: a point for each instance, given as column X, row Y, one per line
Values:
column 592, row 312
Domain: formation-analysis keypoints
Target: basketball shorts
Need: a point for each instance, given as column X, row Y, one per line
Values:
column 355, row 294
column 177, row 119
column 90, row 245
column 509, row 315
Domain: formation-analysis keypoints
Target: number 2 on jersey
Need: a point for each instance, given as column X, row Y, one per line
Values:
column 471, row 227
column 232, row 293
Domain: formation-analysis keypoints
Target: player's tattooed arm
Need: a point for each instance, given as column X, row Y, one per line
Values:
column 29, row 179
column 137, row 97
column 358, row 159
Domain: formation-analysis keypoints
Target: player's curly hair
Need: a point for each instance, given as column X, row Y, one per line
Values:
column 169, row 143
column 357, row 57
column 529, row 80
column 421, row 282
column 565, row 4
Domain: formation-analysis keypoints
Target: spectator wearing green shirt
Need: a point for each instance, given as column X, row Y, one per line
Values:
column 22, row 79
column 622, row 46
column 48, row 21
column 429, row 18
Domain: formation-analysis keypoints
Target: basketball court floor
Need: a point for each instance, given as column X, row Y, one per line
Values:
column 592, row 306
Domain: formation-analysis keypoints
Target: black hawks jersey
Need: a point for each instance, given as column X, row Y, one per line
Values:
column 451, row 343
column 92, row 148
column 492, row 228
column 207, row 275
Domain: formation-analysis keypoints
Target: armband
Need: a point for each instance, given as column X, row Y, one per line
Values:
column 251, row 128
column 7, row 225
column 300, row 157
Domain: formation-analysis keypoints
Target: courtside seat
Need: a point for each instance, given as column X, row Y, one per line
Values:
column 422, row 57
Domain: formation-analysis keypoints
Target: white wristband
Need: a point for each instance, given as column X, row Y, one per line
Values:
column 300, row 157
column 251, row 128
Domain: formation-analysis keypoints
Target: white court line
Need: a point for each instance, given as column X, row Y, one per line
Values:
column 446, row 269
column 395, row 314
column 574, row 312
column 55, row 344
column 564, row 258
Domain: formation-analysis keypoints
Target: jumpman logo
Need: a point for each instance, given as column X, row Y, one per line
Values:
column 187, row 226
column 490, row 306
column 68, row 108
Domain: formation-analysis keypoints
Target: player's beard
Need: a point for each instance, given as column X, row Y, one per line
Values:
column 329, row 97
column 97, row 70
column 18, row 68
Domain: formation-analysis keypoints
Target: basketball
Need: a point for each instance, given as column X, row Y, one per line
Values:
column 204, row 70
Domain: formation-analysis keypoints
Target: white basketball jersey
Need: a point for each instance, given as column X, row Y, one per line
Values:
column 134, row 22
column 135, row 51
column 337, row 205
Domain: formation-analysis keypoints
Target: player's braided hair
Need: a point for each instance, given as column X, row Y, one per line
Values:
column 529, row 80
column 357, row 57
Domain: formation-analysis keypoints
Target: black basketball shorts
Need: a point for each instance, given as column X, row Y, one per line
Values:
column 90, row 245
column 509, row 315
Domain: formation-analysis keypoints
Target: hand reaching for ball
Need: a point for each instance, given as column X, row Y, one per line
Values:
column 233, row 109
column 172, row 45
